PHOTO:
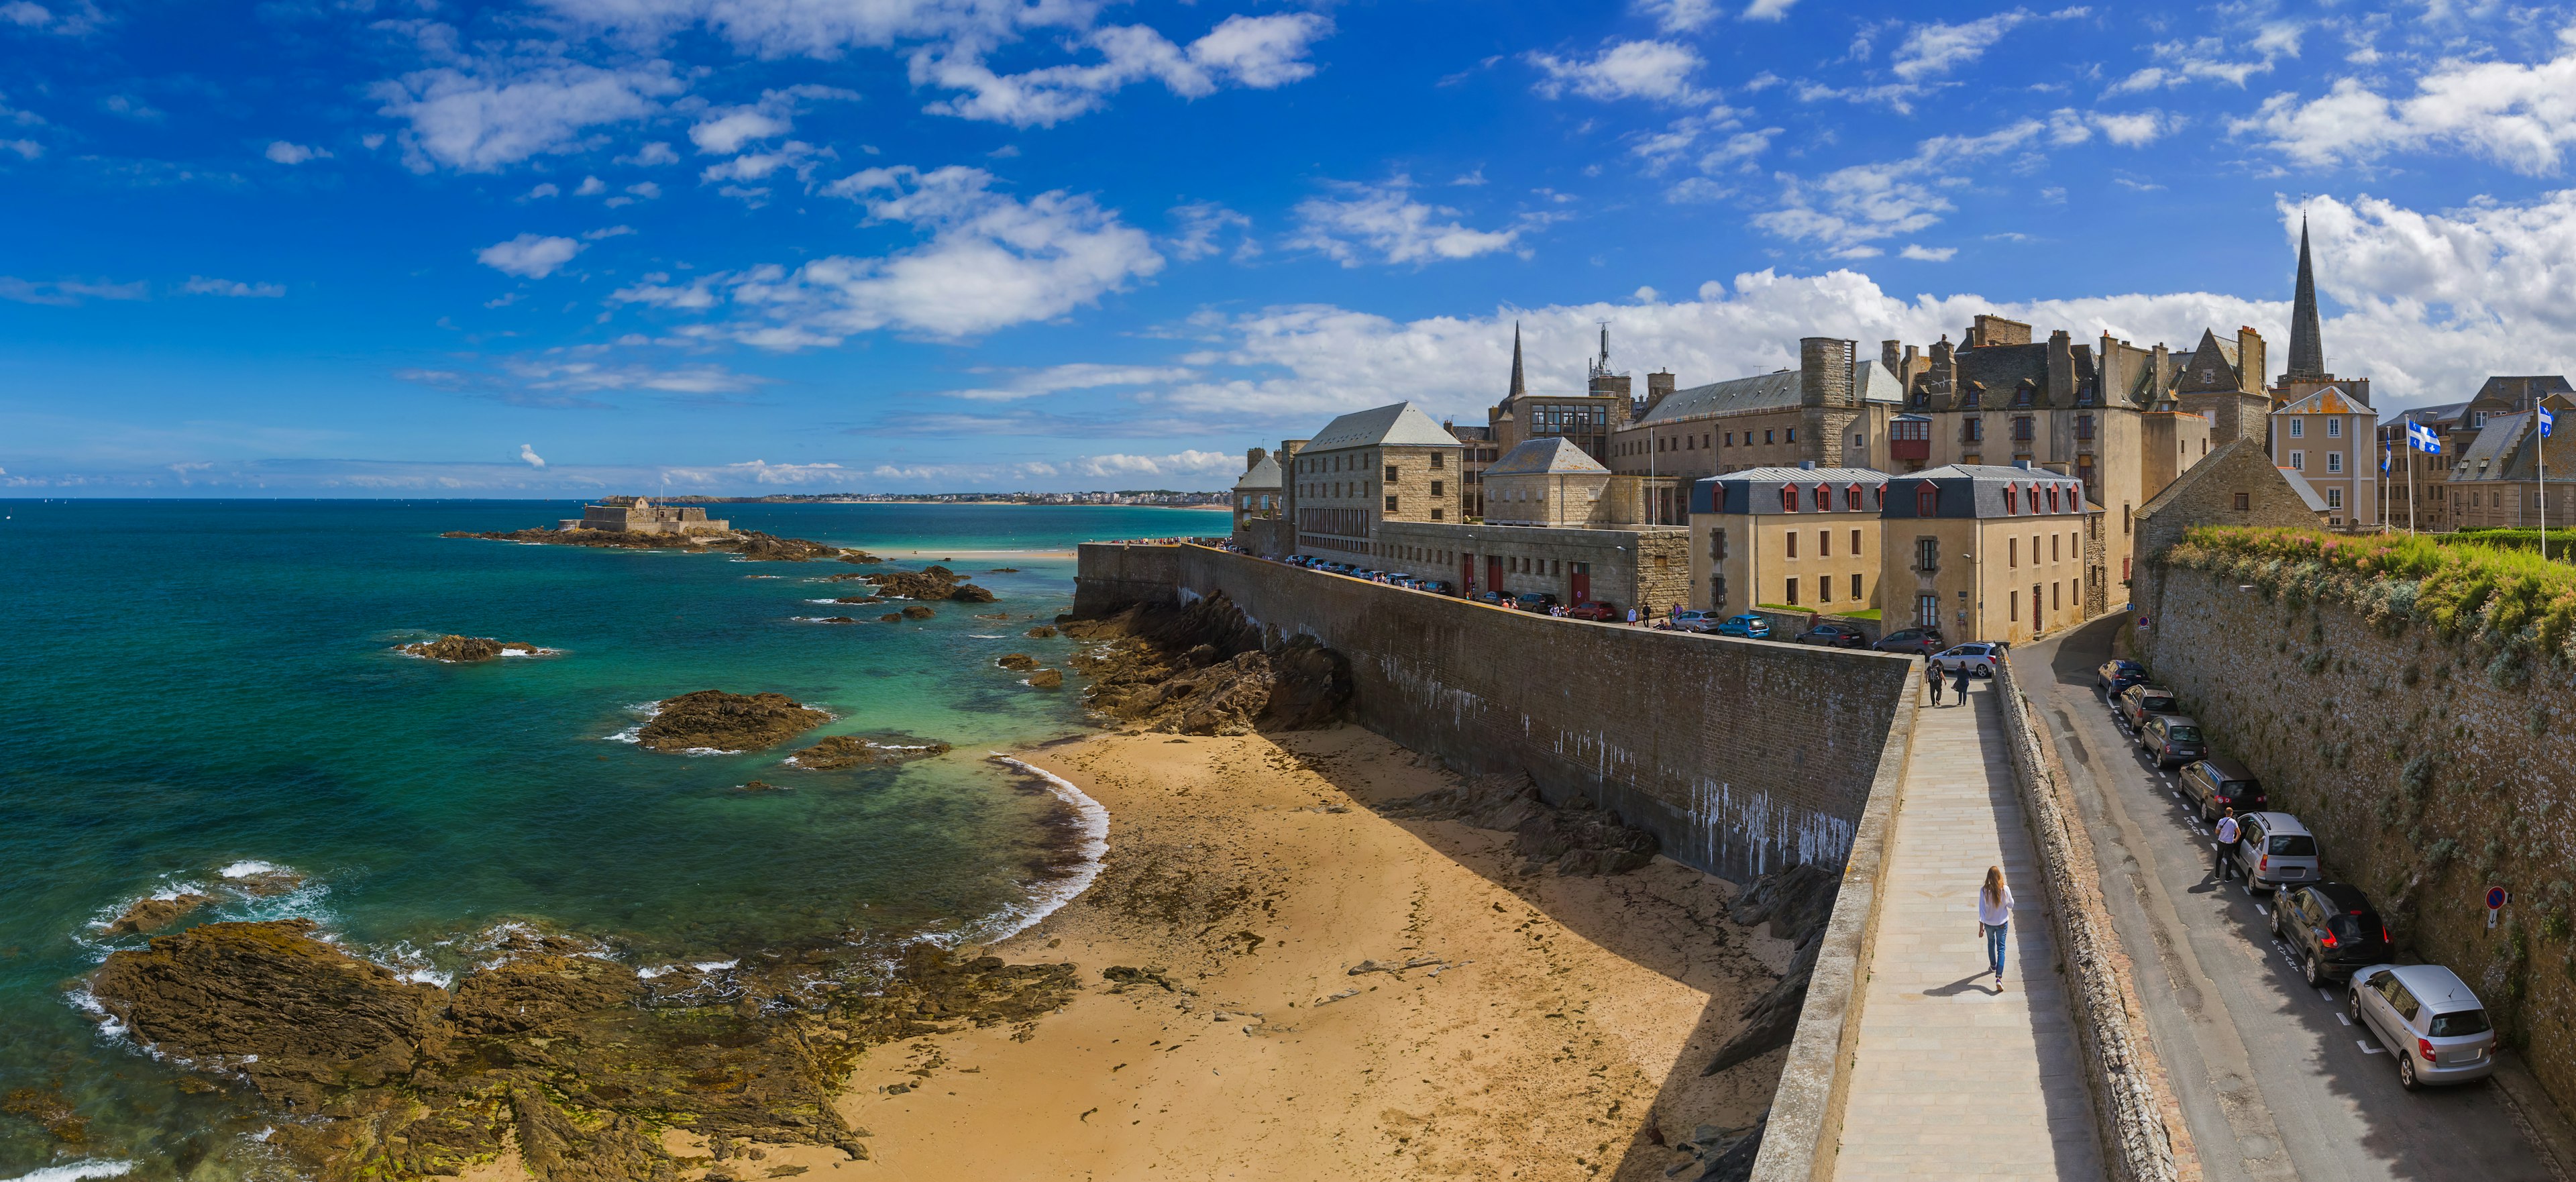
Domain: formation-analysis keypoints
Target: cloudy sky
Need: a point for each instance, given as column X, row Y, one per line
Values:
column 548, row 247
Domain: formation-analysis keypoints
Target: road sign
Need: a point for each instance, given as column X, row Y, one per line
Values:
column 2496, row 899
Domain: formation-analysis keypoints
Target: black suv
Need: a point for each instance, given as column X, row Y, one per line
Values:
column 2331, row 928
column 2217, row 784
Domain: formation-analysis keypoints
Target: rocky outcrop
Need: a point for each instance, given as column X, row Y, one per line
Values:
column 453, row 648
column 716, row 720
column 1797, row 903
column 755, row 546
column 1202, row 670
column 152, row 915
column 1016, row 661
column 50, row 1112
column 914, row 611
column 573, row 1060
column 930, row 583
column 1047, row 679
column 751, row 545
column 1575, row 838
column 891, row 618
column 860, row 599
column 860, row 557
column 841, row 752
column 1042, row 632
column 839, row 620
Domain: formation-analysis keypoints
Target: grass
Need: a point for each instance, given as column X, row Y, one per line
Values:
column 2562, row 543
column 1867, row 614
column 2511, row 601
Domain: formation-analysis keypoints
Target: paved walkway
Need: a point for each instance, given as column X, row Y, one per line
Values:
column 1953, row 1079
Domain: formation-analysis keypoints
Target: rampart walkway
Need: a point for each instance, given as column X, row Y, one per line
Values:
column 1951, row 1078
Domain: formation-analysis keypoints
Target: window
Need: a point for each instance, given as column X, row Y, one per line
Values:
column 1824, row 499
column 2012, row 552
column 2022, row 429
column 2055, row 600
column 2013, row 598
column 1793, row 591
column 1793, row 435
column 2478, row 420
column 2012, row 498
column 1824, row 543
column 2084, row 426
column 2298, row 427
column 1717, row 544
column 2334, row 461
column 2334, row 428
column 1766, row 437
column 1851, row 498
column 1927, row 501
column 1730, row 439
column 1927, row 555
column 1436, row 458
column 2334, row 498
column 1791, row 538
column 2124, row 518
column 1927, row 611
column 2244, row 502
column 2052, row 549
column 1788, row 498
column 1855, row 585
column 1390, row 504
column 1855, row 542
column 2052, row 499
column 1972, row 430
column 1824, row 588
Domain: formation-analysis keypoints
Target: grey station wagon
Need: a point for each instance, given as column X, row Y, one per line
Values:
column 2426, row 1017
column 2273, row 849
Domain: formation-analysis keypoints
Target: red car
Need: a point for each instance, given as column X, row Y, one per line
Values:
column 1595, row 610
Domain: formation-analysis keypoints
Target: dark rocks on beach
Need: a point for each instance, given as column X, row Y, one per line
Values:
column 1121, row 977
column 152, row 915
column 51, row 1112
column 891, row 618
column 840, row 752
column 1203, row 670
column 840, row 620
column 1577, row 838
column 1042, row 632
column 929, row 583
column 915, row 611
column 727, row 722
column 859, row 557
column 571, row 1059
column 1798, row 903
column 468, row 648
column 1016, row 661
column 1047, row 679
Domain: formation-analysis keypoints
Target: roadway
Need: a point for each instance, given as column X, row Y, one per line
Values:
column 2273, row 1080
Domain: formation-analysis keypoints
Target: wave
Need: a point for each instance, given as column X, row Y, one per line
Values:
column 250, row 868
column 1092, row 820
column 981, row 636
column 635, row 733
column 92, row 1168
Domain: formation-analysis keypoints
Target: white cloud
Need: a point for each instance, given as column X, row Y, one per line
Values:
column 1655, row 70
column 826, row 28
column 2520, row 116
column 2214, row 59
column 2131, row 129
column 200, row 285
column 1201, row 223
column 606, row 232
column 1928, row 254
column 590, row 186
column 991, row 261
column 64, row 293
column 488, row 115
column 528, row 256
column 283, row 152
column 528, row 455
column 1684, row 16
column 1179, row 463
column 544, row 190
column 1383, row 223
column 726, row 130
column 1864, row 202
column 796, row 156
column 71, row 20
column 588, row 377
column 1258, row 52
column 650, row 155
column 1939, row 48
column 26, row 149
column 1767, row 10
column 1080, row 376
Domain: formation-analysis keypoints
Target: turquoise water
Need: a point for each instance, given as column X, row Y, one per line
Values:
column 195, row 685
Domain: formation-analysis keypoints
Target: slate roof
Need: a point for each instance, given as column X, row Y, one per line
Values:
column 1757, row 490
column 1769, row 391
column 1977, row 490
column 2484, row 457
column 1552, row 455
column 2431, row 416
column 1261, row 477
column 1400, row 425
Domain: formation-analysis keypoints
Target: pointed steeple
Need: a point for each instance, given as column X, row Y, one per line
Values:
column 1519, row 387
column 2307, row 351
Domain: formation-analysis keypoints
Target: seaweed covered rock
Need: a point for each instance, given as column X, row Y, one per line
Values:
column 755, row 546
column 719, row 721
column 914, row 611
column 1047, row 679
column 152, row 915
column 1042, row 632
column 840, row 752
column 1021, row 661
column 463, row 649
column 932, row 582
column 1202, row 670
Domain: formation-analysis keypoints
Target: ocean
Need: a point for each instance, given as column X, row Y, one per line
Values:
column 203, row 689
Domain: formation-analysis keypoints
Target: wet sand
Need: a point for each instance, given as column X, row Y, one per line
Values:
column 1547, row 1027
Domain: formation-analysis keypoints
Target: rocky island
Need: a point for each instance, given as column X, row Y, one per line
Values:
column 713, row 720
column 454, row 649
column 636, row 523
column 841, row 752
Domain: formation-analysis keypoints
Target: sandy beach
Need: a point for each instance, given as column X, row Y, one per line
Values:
column 1525, row 1027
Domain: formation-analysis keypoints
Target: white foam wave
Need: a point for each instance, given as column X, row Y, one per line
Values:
column 655, row 971
column 91, row 1168
column 1051, row 896
column 632, row 734
column 710, row 966
column 173, row 890
column 981, row 636
column 249, row 868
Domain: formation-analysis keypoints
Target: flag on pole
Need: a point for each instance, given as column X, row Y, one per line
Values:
column 2383, row 459
column 2547, row 420
column 2422, row 438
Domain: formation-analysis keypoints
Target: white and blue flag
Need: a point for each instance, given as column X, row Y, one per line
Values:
column 2423, row 438
column 2547, row 420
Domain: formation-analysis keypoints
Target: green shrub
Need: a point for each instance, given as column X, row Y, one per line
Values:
column 2508, row 599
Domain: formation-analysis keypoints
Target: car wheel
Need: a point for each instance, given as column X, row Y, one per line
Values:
column 1984, row 670
column 2352, row 1001
column 2406, row 1071
column 2276, row 920
column 2316, row 971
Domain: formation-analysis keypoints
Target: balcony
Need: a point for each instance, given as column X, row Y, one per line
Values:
column 1909, row 449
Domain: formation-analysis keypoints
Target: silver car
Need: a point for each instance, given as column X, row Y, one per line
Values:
column 2426, row 1017
column 2274, row 848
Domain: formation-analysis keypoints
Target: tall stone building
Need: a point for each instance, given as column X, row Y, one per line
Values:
column 1588, row 419
column 1801, row 537
column 2325, row 437
column 1388, row 463
column 2447, row 490
column 1832, row 411
column 1985, row 552
column 1258, row 506
column 2307, row 371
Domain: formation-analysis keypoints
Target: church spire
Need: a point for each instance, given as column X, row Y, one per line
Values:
column 1519, row 387
column 2307, row 352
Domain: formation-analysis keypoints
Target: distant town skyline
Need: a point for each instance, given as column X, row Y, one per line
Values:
column 559, row 248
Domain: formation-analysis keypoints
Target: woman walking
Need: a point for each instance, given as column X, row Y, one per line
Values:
column 1960, row 687
column 1994, row 915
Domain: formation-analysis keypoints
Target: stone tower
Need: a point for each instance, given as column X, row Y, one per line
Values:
column 1827, row 404
column 2307, row 350
column 1519, row 386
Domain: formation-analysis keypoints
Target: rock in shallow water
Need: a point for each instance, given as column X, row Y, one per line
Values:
column 1047, row 679
column 1021, row 661
column 840, row 752
column 727, row 722
column 152, row 915
column 464, row 649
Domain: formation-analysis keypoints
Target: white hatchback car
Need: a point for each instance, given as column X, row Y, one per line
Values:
column 2426, row 1016
column 1979, row 659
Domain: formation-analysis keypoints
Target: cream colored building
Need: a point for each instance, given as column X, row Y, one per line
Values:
column 2327, row 437
column 1779, row 537
column 1990, row 553
column 1389, row 463
column 1832, row 411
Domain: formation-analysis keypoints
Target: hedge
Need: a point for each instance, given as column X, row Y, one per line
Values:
column 2517, row 605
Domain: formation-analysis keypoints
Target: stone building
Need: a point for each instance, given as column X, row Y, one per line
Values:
column 2237, row 485
column 1258, row 504
column 1588, row 419
column 2449, row 490
column 1552, row 482
column 1645, row 567
column 1802, row 537
column 639, row 515
column 1832, row 411
column 1387, row 464
column 2325, row 437
column 1983, row 552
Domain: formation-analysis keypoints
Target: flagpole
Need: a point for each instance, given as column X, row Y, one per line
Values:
column 2410, row 478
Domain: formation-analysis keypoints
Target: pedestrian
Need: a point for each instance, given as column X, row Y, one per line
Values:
column 1632, row 615
column 1934, row 668
column 1994, row 916
column 2227, row 832
column 1960, row 686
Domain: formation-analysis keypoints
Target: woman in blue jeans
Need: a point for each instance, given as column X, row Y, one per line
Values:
column 1994, row 916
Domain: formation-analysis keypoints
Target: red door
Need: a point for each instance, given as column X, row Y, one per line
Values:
column 1467, row 574
column 1493, row 572
column 1579, row 583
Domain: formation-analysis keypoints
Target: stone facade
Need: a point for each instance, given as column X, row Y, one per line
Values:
column 1646, row 567
column 2412, row 765
column 639, row 515
column 2236, row 485
column 1741, row 757
column 2325, row 437
column 1387, row 464
column 1256, row 492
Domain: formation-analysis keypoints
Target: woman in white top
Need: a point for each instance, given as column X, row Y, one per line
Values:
column 1994, row 914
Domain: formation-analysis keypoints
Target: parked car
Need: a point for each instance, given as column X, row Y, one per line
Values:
column 2216, row 784
column 1494, row 597
column 2331, row 928
column 1748, row 626
column 1433, row 586
column 2138, row 701
column 1694, row 620
column 2115, row 676
column 1914, row 641
column 1595, row 610
column 2429, row 1021
column 1978, row 658
column 1834, row 636
column 2170, row 739
column 1531, row 601
column 2274, row 848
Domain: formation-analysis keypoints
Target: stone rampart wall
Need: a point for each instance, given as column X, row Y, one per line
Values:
column 2425, row 778
column 1741, row 756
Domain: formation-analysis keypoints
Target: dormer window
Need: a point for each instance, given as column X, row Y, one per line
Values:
column 1927, row 499
column 2012, row 499
column 1788, row 498
column 1851, row 498
column 1824, row 499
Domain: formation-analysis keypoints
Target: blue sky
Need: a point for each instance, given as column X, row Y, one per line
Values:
column 549, row 247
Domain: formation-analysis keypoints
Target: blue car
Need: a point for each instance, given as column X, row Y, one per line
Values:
column 1750, row 627
column 2115, row 676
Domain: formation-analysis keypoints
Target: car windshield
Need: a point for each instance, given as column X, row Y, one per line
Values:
column 2290, row 845
column 2183, row 734
column 2459, row 1022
